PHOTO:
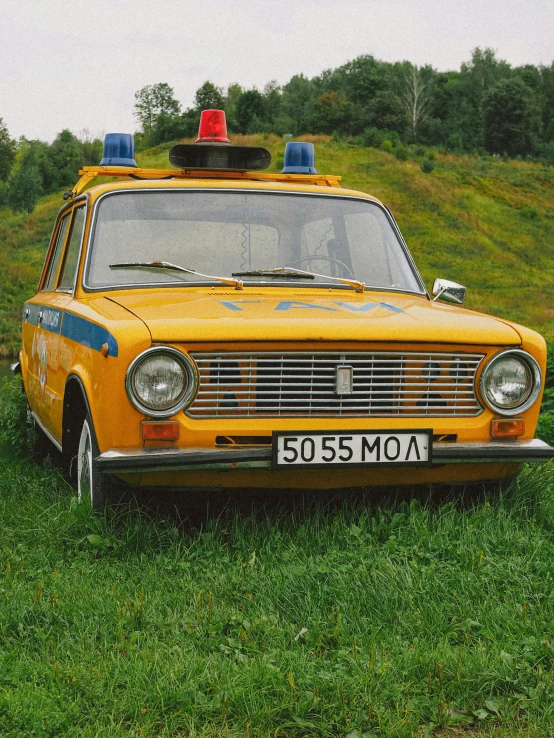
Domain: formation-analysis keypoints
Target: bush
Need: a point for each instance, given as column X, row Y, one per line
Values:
column 378, row 138
column 371, row 137
column 427, row 165
column 401, row 152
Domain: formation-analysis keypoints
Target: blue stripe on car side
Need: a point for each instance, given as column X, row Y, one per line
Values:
column 71, row 326
column 88, row 334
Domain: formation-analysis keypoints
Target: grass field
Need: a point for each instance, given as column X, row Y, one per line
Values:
column 306, row 616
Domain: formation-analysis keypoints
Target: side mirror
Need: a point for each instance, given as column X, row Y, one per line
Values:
column 449, row 291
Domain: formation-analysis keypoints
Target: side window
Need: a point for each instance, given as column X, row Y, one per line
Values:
column 69, row 268
column 55, row 259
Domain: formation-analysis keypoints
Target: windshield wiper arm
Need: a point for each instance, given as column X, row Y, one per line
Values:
column 237, row 283
column 298, row 274
column 275, row 273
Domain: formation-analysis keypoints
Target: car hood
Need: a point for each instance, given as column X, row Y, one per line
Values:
column 268, row 314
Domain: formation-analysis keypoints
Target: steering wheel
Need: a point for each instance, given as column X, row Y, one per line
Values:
column 309, row 259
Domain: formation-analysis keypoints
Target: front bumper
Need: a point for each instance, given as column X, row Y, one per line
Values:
column 127, row 461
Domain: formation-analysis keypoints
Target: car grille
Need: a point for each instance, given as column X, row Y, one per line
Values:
column 302, row 384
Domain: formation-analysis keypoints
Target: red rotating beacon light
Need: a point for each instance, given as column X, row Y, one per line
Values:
column 213, row 128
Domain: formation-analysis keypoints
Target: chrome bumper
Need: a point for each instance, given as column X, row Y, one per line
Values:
column 259, row 457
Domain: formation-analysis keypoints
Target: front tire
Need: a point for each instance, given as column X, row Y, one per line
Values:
column 90, row 481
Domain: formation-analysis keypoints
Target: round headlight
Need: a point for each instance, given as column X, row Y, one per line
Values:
column 160, row 382
column 511, row 382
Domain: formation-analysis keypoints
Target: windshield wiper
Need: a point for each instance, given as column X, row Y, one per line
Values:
column 237, row 283
column 292, row 273
column 275, row 273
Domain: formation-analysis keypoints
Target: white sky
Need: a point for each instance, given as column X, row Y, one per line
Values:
column 77, row 65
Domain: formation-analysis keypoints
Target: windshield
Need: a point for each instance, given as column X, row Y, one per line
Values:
column 222, row 233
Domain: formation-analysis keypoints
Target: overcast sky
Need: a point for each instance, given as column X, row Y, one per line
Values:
column 77, row 65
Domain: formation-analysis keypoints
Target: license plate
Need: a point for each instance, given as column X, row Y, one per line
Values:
column 321, row 449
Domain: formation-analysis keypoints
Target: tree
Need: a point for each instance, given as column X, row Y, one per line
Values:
column 167, row 128
column 26, row 184
column 153, row 101
column 272, row 100
column 512, row 118
column 477, row 78
column 298, row 96
column 388, row 112
column 250, row 105
column 416, row 99
column 234, row 93
column 359, row 79
column 547, row 79
column 65, row 158
column 208, row 97
column 331, row 113
column 92, row 148
column 189, row 122
column 7, row 152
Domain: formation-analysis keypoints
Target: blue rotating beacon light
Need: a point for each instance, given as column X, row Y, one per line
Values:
column 119, row 150
column 299, row 158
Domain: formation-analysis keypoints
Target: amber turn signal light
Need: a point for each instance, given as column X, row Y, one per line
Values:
column 507, row 427
column 160, row 430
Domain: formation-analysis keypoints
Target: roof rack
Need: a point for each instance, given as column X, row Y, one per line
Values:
column 88, row 174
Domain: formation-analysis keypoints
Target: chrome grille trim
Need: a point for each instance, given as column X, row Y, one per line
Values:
column 301, row 384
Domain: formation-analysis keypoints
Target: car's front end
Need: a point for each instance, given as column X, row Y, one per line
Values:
column 234, row 398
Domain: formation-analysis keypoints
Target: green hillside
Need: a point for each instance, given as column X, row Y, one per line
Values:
column 481, row 221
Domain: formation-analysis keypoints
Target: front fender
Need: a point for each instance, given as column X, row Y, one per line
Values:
column 102, row 376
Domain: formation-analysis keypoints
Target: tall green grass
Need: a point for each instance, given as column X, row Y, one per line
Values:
column 313, row 617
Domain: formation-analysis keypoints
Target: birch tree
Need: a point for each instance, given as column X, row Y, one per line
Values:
column 416, row 97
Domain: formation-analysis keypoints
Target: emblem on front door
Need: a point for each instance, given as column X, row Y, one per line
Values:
column 343, row 380
column 42, row 369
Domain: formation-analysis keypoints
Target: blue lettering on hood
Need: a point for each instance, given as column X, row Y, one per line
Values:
column 232, row 304
column 288, row 304
column 369, row 306
column 235, row 305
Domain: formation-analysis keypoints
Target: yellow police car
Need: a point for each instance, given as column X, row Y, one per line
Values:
column 212, row 325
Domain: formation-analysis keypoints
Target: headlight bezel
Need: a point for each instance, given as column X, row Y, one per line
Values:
column 189, row 372
column 536, row 387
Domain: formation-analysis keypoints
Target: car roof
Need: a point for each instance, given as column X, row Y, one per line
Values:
column 215, row 183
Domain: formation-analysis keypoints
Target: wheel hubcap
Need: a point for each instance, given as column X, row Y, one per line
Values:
column 84, row 465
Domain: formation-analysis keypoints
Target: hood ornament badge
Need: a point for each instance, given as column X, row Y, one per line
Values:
column 343, row 379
